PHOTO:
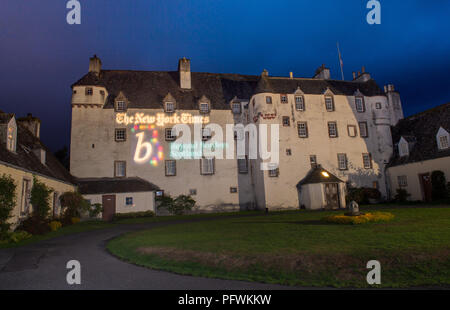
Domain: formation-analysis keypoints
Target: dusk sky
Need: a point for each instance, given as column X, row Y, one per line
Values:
column 41, row 55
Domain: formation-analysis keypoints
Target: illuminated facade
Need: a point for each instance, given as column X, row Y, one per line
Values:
column 122, row 127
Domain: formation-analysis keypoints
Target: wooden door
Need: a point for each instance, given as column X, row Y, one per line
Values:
column 109, row 207
column 425, row 181
column 331, row 196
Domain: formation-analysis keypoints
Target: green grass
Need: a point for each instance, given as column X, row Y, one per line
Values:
column 296, row 248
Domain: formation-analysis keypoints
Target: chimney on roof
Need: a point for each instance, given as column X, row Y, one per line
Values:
column 354, row 75
column 32, row 123
column 362, row 76
column 322, row 73
column 389, row 88
column 184, row 69
column 95, row 65
column 265, row 73
column 291, row 75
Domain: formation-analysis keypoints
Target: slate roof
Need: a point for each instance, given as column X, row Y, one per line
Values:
column 421, row 129
column 26, row 159
column 89, row 186
column 5, row 117
column 147, row 89
column 315, row 176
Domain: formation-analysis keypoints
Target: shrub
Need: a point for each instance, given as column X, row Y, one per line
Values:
column 7, row 201
column 438, row 185
column 95, row 209
column 15, row 237
column 35, row 225
column 132, row 215
column 75, row 220
column 177, row 206
column 362, row 195
column 72, row 204
column 401, row 195
column 40, row 199
column 360, row 219
column 55, row 225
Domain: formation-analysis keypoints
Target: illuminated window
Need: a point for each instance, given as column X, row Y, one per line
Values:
column 367, row 161
column 11, row 139
column 243, row 165
column 359, row 103
column 171, row 167
column 342, row 161
column 299, row 103
column 269, row 99
column 120, row 106
column 206, row 134
column 284, row 98
column 207, row 166
column 313, row 161
column 89, row 91
column 363, row 132
column 351, row 129
column 332, row 130
column 129, row 201
column 170, row 134
column 25, row 198
column 302, row 128
column 120, row 134
column 204, row 107
column 329, row 103
column 169, row 107
column 286, row 121
column 236, row 108
column 120, row 168
column 402, row 181
column 274, row 172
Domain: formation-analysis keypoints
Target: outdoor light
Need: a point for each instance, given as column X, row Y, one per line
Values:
column 325, row 174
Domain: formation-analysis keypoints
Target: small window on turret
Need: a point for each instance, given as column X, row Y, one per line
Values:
column 378, row 106
column 89, row 91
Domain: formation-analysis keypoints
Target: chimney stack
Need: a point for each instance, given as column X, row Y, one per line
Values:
column 95, row 65
column 32, row 123
column 363, row 69
column 184, row 69
column 322, row 73
column 265, row 73
column 354, row 75
column 389, row 88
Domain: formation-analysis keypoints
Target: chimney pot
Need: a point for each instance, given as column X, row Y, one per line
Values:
column 291, row 75
column 363, row 69
column 184, row 69
column 95, row 65
column 354, row 75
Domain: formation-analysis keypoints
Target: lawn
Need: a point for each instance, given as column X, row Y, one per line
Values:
column 296, row 248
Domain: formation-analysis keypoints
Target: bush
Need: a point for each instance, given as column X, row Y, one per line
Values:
column 72, row 204
column 35, row 225
column 14, row 237
column 40, row 199
column 75, row 220
column 401, row 195
column 133, row 215
column 362, row 195
column 7, row 201
column 55, row 225
column 177, row 206
column 438, row 185
column 95, row 209
column 360, row 219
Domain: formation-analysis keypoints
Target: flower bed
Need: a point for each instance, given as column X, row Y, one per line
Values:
column 360, row 219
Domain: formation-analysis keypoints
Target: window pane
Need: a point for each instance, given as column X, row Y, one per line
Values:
column 302, row 129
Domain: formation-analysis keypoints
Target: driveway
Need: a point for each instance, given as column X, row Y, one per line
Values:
column 43, row 266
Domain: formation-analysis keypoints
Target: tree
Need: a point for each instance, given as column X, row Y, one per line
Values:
column 40, row 199
column 176, row 206
column 7, row 201
column 73, row 204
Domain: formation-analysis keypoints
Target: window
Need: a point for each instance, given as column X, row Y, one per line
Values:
column 11, row 139
column 351, row 129
column 284, row 98
column 204, row 107
column 120, row 106
column 159, row 193
column 378, row 105
column 288, row 152
column 363, row 132
column 89, row 91
column 169, row 107
column 236, row 108
column 367, row 161
column 170, row 135
column 269, row 99
column 25, row 199
column 120, row 168
column 193, row 192
column 120, row 134
column 129, row 201
column 243, row 165
column 443, row 142
column 207, row 166
column 329, row 103
column 403, row 148
column 233, row 190
column 274, row 172
column 402, row 181
column 313, row 161
column 299, row 103
column 359, row 103
column 332, row 130
column 302, row 128
column 171, row 168
column 342, row 161
column 286, row 121
column 206, row 134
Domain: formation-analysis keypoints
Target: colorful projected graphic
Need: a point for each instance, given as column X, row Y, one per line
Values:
column 148, row 148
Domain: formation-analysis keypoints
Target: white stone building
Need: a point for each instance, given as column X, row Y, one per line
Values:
column 342, row 125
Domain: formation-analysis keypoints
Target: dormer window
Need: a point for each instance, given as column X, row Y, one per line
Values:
column 89, row 91
column 299, row 103
column 204, row 107
column 403, row 147
column 169, row 107
column 11, row 139
column 329, row 103
column 359, row 103
column 443, row 139
column 120, row 106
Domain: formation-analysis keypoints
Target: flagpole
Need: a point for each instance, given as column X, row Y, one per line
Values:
column 340, row 61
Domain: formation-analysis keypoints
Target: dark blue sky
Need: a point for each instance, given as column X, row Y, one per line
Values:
column 41, row 55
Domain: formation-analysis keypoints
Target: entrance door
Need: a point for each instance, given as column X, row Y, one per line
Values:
column 109, row 207
column 331, row 196
column 425, row 182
